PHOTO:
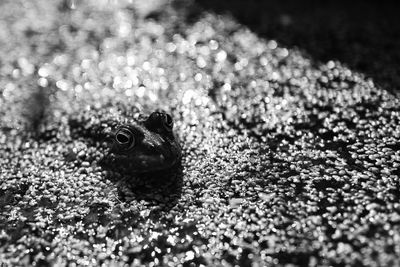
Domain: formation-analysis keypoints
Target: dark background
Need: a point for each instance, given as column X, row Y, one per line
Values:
column 365, row 35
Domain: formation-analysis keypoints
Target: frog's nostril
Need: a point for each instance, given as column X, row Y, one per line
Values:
column 122, row 138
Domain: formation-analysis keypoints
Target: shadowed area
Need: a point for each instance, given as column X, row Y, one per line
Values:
column 161, row 189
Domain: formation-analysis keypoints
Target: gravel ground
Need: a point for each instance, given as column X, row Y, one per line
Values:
column 287, row 161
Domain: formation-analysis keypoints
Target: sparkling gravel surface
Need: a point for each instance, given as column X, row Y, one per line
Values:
column 286, row 161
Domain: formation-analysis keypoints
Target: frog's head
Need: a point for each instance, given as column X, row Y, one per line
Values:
column 148, row 145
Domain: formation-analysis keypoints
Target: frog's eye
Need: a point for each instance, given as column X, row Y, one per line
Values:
column 168, row 123
column 160, row 120
column 124, row 138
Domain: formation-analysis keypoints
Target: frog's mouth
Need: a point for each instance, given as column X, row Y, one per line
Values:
column 145, row 158
column 150, row 163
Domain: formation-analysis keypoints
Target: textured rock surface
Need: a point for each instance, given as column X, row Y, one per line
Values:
column 286, row 160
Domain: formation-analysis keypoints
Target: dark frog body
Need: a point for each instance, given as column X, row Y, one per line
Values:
column 138, row 143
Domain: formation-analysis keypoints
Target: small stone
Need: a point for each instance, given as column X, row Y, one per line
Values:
column 85, row 164
column 235, row 202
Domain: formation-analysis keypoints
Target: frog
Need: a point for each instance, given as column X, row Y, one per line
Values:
column 136, row 141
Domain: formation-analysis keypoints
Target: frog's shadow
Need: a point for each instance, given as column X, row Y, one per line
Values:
column 160, row 188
